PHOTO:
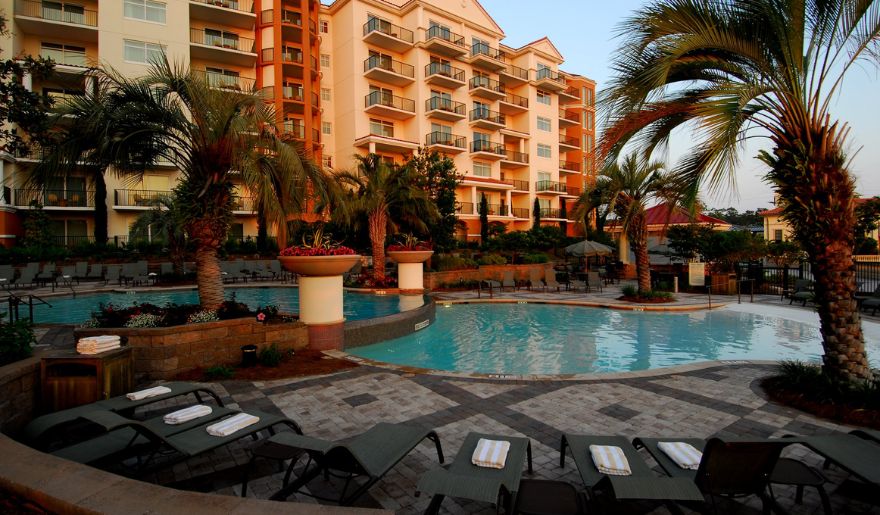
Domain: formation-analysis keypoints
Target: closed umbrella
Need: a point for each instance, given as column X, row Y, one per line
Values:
column 588, row 248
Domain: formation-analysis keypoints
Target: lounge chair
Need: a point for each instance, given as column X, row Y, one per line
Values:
column 277, row 271
column 80, row 270
column 96, row 271
column 867, row 434
column 114, row 274
column 535, row 280
column 68, row 275
column 489, row 283
column 550, row 280
column 166, row 268
column 371, row 454
column 7, row 275
column 594, row 281
column 852, row 452
column 542, row 497
column 803, row 291
column 872, row 302
column 508, row 281
column 46, row 275
column 28, row 275
column 642, row 484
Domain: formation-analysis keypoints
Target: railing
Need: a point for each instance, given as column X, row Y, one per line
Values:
column 546, row 73
column 519, row 212
column 482, row 145
column 445, row 104
column 316, row 136
column 516, row 100
column 221, row 80
column 518, row 157
column 572, row 92
column 384, row 99
column 572, row 117
column 516, row 71
column 444, row 69
column 484, row 49
column 386, row 27
column 291, row 18
column 316, row 100
column 497, row 210
column 314, row 64
column 573, row 191
column 65, row 56
column 226, row 40
column 243, row 204
column 487, row 83
column 295, row 128
column 138, row 198
column 60, row 98
column 519, row 185
column 565, row 140
column 446, row 35
column 292, row 93
column 464, row 208
column 444, row 138
column 245, row 6
column 72, row 241
column 488, row 115
column 55, row 198
column 57, row 11
column 558, row 187
column 549, row 212
column 287, row 56
column 386, row 63
column 571, row 166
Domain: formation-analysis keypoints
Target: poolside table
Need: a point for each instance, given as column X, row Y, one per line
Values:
column 465, row 480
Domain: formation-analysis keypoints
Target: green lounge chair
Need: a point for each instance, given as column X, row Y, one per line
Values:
column 867, row 434
column 535, row 280
column 642, row 484
column 371, row 454
column 803, row 292
column 852, row 452
column 465, row 480
column 508, row 281
column 872, row 302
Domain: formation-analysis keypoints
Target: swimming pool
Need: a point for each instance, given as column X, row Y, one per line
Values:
column 547, row 339
column 75, row 310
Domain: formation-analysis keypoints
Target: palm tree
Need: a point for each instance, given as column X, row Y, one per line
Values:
column 631, row 185
column 163, row 222
column 387, row 196
column 593, row 201
column 728, row 66
column 217, row 139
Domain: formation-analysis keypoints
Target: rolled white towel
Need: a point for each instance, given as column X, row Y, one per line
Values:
column 490, row 453
column 187, row 414
column 610, row 459
column 107, row 338
column 149, row 392
column 232, row 424
column 683, row 454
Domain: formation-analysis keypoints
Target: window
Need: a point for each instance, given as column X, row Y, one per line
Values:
column 146, row 10
column 326, row 127
column 220, row 78
column 325, row 60
column 543, row 176
column 236, row 232
column 479, row 46
column 64, row 54
column 215, row 37
column 587, row 143
column 482, row 169
column 543, row 97
column 380, row 96
column 544, row 124
column 325, row 94
column 544, row 203
column 58, row 11
column 777, row 234
column 587, row 96
column 544, row 150
column 327, row 161
column 381, row 128
column 588, row 121
column 324, row 26
column 445, row 129
column 142, row 52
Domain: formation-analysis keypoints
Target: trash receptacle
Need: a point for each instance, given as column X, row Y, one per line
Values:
column 248, row 355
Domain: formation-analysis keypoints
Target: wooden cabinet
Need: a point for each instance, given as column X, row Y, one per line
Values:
column 70, row 379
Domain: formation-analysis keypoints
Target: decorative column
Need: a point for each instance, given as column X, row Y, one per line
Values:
column 410, row 270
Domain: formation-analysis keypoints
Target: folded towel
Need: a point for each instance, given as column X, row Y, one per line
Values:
column 149, row 392
column 187, row 414
column 490, row 453
column 232, row 424
column 107, row 338
column 610, row 460
column 683, row 454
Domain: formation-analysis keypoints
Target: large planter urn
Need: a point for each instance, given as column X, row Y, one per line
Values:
column 410, row 270
column 319, row 265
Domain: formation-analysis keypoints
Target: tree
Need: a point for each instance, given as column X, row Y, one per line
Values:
column 484, row 219
column 388, row 196
column 563, row 213
column 772, row 67
column 164, row 222
column 593, row 203
column 437, row 175
column 748, row 218
column 36, row 228
column 867, row 216
column 536, row 213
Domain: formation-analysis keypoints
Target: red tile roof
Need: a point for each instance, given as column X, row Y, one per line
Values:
column 659, row 215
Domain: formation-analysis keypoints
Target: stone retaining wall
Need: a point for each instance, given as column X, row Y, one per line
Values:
column 165, row 352
column 19, row 394
column 433, row 280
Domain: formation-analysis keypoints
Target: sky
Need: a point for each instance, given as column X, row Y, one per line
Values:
column 584, row 32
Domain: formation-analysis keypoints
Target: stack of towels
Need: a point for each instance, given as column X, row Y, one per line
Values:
column 149, row 392
column 610, row 459
column 232, row 424
column 683, row 454
column 97, row 344
column 185, row 415
column 490, row 453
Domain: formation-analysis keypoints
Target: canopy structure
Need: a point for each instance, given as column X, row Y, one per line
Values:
column 588, row 248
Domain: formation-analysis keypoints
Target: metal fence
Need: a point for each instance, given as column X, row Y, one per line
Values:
column 775, row 279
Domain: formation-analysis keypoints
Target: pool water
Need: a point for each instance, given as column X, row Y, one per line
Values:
column 75, row 310
column 545, row 339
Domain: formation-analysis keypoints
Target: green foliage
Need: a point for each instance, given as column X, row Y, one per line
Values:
column 437, row 175
column 536, row 214
column 16, row 340
column 730, row 215
column 36, row 227
column 461, row 284
column 219, row 372
column 721, row 249
column 632, row 292
column 867, row 217
column 537, row 257
column 548, row 237
column 784, row 253
column 484, row 219
column 270, row 356
column 865, row 245
column 446, row 262
column 629, row 291
column 809, row 381
column 492, row 259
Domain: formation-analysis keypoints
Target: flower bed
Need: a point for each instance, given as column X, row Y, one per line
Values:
column 150, row 315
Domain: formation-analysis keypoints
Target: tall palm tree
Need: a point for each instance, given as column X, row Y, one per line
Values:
column 217, row 139
column 740, row 68
column 631, row 185
column 593, row 201
column 387, row 196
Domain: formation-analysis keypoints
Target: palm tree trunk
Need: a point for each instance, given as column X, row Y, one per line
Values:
column 208, row 277
column 638, row 237
column 378, row 221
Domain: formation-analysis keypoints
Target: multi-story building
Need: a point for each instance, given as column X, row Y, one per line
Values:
column 355, row 76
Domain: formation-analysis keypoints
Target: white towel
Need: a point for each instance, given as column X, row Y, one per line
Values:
column 610, row 460
column 683, row 454
column 149, row 392
column 107, row 338
column 232, row 424
column 187, row 414
column 490, row 453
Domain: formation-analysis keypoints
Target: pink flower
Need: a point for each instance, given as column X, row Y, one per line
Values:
column 261, row 317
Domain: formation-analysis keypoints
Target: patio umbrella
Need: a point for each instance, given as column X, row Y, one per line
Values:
column 588, row 248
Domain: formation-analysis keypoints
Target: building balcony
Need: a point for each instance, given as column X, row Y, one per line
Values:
column 514, row 159
column 227, row 82
column 487, row 88
column 69, row 63
column 549, row 80
column 385, row 34
column 572, row 191
column 244, row 206
column 549, row 187
column 569, row 95
column 520, row 212
column 225, row 48
column 486, row 183
column 569, row 167
column 464, row 208
column 519, row 186
column 232, row 13
column 51, row 19
column 291, row 58
column 295, row 129
column 445, row 143
column 513, row 104
column 497, row 210
column 391, row 106
column 292, row 93
column 137, row 200
column 389, row 71
column 567, row 144
column 484, row 56
column 567, row 118
column 386, row 143
column 487, row 150
column 445, row 109
column 444, row 75
column 444, row 42
column 487, row 119
column 551, row 213
column 70, row 200
column 513, row 75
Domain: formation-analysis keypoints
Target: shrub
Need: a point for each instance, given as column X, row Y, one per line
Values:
column 492, row 259
column 219, row 372
column 144, row 320
column 16, row 340
column 470, row 284
column 808, row 382
column 91, row 323
column 201, row 317
column 270, row 356
column 446, row 262
column 538, row 257
column 629, row 291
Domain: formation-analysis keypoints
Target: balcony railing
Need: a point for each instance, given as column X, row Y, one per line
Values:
column 520, row 185
column 295, row 128
column 243, row 204
column 572, row 92
column 464, row 208
column 226, row 40
column 520, row 212
column 60, row 98
column 484, row 49
column 488, row 115
column 57, row 11
column 515, row 156
column 138, row 198
column 496, row 210
column 570, row 116
column 571, row 166
column 565, row 140
column 516, row 100
column 446, row 35
column 287, row 56
column 487, row 83
column 65, row 57
column 55, row 198
column 444, row 69
column 384, row 99
column 516, row 71
column 482, row 145
column 246, row 6
column 550, row 212
column 224, row 81
column 385, row 63
column 445, row 104
column 290, row 18
column 546, row 73
column 444, row 138
column 386, row 27
column 572, row 190
column 558, row 187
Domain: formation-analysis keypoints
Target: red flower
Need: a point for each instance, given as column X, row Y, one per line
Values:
column 261, row 317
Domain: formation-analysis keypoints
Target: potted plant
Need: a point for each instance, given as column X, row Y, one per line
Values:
column 410, row 250
column 320, row 257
